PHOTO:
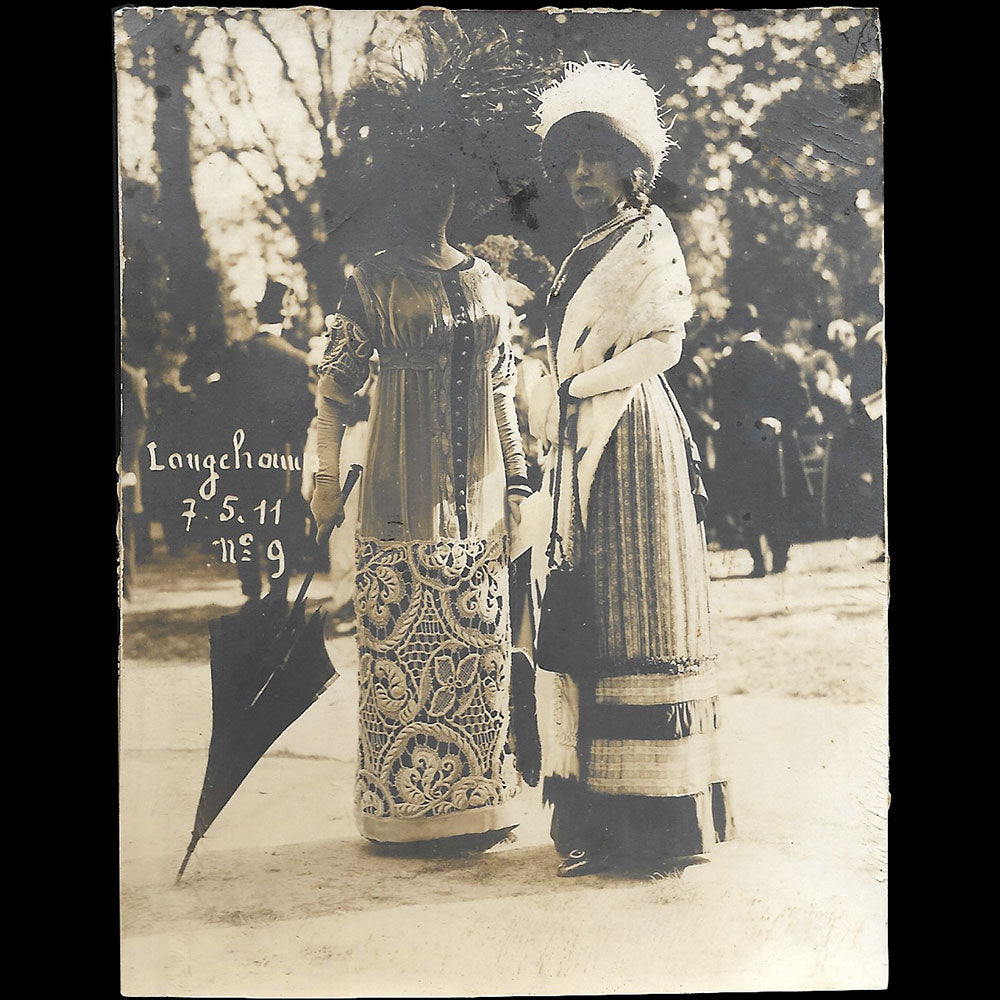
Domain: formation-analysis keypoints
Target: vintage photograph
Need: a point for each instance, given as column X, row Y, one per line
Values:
column 503, row 554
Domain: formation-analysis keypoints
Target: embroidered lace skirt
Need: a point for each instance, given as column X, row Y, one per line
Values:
column 434, row 689
column 632, row 759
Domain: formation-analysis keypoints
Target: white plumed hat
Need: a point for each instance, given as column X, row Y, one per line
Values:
column 602, row 94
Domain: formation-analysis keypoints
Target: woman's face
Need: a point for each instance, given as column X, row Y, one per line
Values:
column 426, row 195
column 594, row 179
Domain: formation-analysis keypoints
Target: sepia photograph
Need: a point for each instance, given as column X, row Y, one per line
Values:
column 503, row 566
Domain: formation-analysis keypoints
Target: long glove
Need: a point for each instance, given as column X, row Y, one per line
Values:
column 643, row 360
column 515, row 464
column 326, row 504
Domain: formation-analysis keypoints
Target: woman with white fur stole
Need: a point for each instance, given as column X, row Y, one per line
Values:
column 629, row 725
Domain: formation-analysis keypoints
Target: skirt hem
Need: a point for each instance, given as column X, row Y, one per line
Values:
column 394, row 830
column 639, row 826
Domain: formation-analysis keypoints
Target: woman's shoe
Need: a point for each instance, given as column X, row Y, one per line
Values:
column 581, row 863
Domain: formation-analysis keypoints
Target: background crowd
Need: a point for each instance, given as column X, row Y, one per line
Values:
column 228, row 132
column 826, row 397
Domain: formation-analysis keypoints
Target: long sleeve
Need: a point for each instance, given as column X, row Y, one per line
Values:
column 346, row 362
column 343, row 371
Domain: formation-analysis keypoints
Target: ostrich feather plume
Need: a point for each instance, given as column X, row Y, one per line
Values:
column 430, row 84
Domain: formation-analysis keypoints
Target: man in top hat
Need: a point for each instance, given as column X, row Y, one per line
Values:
column 271, row 308
column 272, row 400
column 760, row 398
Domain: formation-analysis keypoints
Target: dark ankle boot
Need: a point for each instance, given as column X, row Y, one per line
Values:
column 581, row 862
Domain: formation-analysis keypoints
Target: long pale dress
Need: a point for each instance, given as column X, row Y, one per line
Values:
column 432, row 545
column 644, row 728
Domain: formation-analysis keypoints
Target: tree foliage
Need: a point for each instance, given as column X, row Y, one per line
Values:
column 776, row 186
column 233, row 168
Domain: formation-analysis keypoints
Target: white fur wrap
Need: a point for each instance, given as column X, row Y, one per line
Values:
column 639, row 287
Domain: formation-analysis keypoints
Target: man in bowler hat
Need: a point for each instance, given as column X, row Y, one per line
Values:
column 760, row 398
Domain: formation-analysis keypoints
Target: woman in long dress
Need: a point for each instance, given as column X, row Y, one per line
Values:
column 630, row 752
column 443, row 469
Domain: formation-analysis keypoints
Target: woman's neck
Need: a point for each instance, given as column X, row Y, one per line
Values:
column 594, row 220
column 432, row 234
column 430, row 242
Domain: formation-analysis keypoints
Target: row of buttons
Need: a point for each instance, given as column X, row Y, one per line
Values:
column 460, row 376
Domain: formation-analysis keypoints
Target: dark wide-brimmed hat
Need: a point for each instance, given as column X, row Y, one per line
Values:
column 269, row 307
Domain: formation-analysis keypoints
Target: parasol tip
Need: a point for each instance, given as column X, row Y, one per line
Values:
column 187, row 858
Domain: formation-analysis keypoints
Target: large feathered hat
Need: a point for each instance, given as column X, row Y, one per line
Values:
column 434, row 88
column 594, row 99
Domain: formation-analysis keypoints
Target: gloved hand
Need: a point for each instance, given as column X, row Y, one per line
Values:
column 514, row 501
column 327, row 506
column 541, row 406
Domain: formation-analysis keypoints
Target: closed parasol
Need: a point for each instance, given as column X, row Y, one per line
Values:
column 269, row 664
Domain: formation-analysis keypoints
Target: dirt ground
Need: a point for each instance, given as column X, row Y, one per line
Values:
column 283, row 898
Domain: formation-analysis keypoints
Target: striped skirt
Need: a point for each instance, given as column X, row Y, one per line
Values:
column 631, row 758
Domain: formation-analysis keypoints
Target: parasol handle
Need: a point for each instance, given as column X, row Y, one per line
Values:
column 353, row 475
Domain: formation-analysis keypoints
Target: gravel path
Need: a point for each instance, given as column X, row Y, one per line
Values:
column 283, row 898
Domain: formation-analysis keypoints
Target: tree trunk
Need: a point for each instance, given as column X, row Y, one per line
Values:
column 192, row 293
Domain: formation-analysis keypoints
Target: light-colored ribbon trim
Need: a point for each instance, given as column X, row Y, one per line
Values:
column 654, row 767
column 657, row 689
